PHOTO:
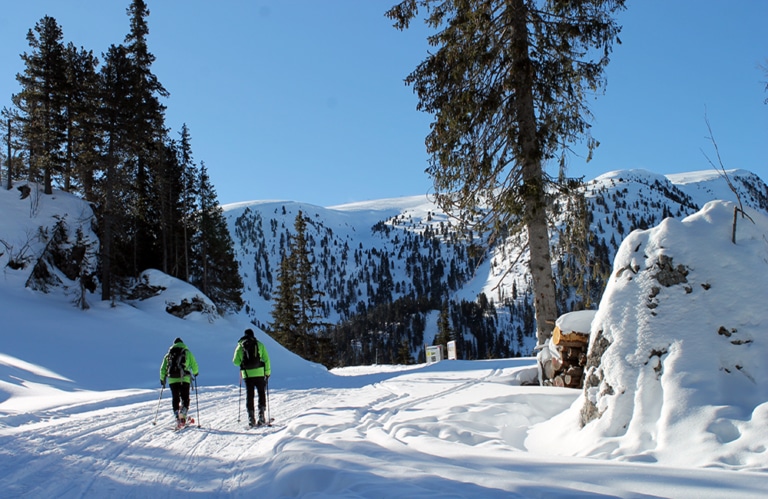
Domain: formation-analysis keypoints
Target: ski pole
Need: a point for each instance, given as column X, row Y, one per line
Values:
column 269, row 414
column 154, row 422
column 197, row 403
column 240, row 396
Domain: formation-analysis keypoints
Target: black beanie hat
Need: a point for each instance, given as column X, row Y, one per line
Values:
column 178, row 340
column 249, row 332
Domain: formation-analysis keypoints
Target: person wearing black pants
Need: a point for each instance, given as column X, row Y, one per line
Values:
column 178, row 367
column 253, row 360
column 258, row 385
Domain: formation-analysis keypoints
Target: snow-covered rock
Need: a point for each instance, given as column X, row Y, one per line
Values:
column 678, row 349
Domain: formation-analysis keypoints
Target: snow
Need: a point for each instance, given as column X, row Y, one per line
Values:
column 580, row 321
column 687, row 360
column 79, row 393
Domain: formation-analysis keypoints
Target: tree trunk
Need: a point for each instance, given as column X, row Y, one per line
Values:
column 107, row 221
column 534, row 196
column 9, row 159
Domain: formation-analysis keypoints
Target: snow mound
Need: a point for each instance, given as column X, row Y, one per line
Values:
column 677, row 358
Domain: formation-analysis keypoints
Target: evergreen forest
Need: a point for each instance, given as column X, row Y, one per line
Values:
column 95, row 127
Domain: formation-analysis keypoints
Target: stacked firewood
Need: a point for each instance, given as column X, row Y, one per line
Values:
column 564, row 363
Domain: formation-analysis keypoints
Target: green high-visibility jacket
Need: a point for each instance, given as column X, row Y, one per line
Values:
column 190, row 367
column 264, row 370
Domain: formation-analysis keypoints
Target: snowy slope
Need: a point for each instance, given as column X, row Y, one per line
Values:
column 79, row 393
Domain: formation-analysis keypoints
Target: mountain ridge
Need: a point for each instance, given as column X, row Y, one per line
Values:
column 373, row 253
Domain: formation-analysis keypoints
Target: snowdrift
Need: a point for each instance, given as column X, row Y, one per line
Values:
column 677, row 359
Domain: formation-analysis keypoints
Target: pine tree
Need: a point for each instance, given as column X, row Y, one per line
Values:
column 83, row 133
column 149, row 113
column 284, row 311
column 102, row 134
column 297, row 310
column 41, row 101
column 187, row 197
column 307, row 297
column 167, row 190
column 11, row 143
column 148, row 134
column 114, row 118
column 507, row 85
column 218, row 275
column 443, row 328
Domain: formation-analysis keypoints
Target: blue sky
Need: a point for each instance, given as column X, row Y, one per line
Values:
column 304, row 99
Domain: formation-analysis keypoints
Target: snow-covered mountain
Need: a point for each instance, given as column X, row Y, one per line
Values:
column 370, row 255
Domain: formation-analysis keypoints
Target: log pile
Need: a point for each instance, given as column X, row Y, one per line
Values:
column 569, row 369
column 562, row 360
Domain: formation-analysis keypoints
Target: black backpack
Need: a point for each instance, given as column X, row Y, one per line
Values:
column 251, row 359
column 177, row 361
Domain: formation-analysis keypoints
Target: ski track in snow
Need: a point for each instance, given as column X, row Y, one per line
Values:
column 421, row 435
column 95, row 452
column 111, row 448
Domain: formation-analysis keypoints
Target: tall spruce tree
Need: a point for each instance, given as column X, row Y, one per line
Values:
column 83, row 133
column 40, row 101
column 444, row 333
column 167, row 189
column 217, row 274
column 284, row 310
column 297, row 309
column 148, row 133
column 187, row 199
column 307, row 296
column 114, row 181
column 12, row 145
column 507, row 85
column 149, row 113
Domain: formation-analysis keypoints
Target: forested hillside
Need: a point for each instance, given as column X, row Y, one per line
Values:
column 394, row 275
column 96, row 128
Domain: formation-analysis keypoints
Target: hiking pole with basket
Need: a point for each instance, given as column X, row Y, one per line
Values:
column 197, row 403
column 154, row 422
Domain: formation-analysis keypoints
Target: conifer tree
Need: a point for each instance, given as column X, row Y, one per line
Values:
column 101, row 133
column 187, row 198
column 507, row 85
column 114, row 118
column 297, row 310
column 148, row 134
column 307, row 297
column 149, row 113
column 217, row 274
column 443, row 327
column 284, row 311
column 11, row 144
column 83, row 134
column 167, row 185
column 40, row 101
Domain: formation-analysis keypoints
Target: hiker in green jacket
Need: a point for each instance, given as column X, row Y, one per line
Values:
column 179, row 365
column 252, row 359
